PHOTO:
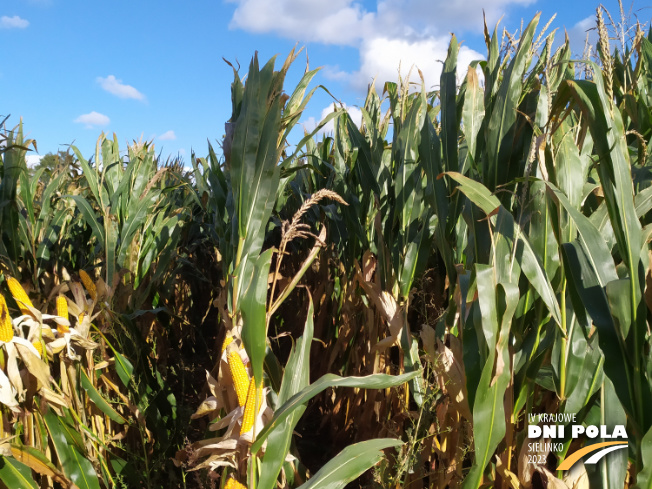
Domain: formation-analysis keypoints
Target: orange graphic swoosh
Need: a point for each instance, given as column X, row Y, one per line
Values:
column 570, row 461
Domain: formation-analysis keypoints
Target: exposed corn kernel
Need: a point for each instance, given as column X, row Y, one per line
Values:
column 227, row 341
column 239, row 375
column 88, row 284
column 250, row 406
column 19, row 295
column 6, row 328
column 234, row 484
column 62, row 307
column 39, row 346
column 62, row 311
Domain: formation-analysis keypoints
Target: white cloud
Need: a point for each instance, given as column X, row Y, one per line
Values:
column 342, row 22
column 168, row 136
column 409, row 32
column 348, row 22
column 354, row 112
column 32, row 160
column 381, row 57
column 439, row 17
column 114, row 86
column 14, row 22
column 93, row 119
column 577, row 36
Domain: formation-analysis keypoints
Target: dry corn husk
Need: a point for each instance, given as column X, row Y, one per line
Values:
column 220, row 451
column 448, row 366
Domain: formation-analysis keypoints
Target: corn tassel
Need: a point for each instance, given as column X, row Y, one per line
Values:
column 239, row 375
column 19, row 295
column 6, row 328
column 88, row 284
column 254, row 395
column 234, row 484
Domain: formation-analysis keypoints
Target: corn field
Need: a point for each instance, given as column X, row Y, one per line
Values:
column 401, row 295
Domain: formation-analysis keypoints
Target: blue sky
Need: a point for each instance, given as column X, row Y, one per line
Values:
column 73, row 69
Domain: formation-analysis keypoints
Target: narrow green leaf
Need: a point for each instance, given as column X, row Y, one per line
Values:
column 253, row 306
column 591, row 239
column 123, row 367
column 89, row 173
column 472, row 111
column 586, row 283
column 376, row 381
column 498, row 304
column 98, row 399
column 499, row 130
column 350, row 463
column 611, row 470
column 16, row 475
column 480, row 196
column 644, row 477
column 77, row 468
column 90, row 217
column 296, row 377
column 448, row 95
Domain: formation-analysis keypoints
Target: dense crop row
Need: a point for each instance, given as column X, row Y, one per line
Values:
column 401, row 293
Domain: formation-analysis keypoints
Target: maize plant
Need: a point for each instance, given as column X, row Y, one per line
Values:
column 407, row 294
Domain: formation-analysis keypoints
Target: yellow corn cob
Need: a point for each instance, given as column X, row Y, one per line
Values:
column 62, row 311
column 234, row 484
column 39, row 346
column 227, row 341
column 6, row 329
column 88, row 284
column 250, row 406
column 239, row 375
column 62, row 307
column 19, row 295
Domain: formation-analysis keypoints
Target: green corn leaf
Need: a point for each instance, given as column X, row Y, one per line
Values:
column 437, row 197
column 90, row 174
column 296, row 377
column 497, row 304
column 134, row 224
column 112, row 237
column 376, row 381
column 77, row 468
column 123, row 367
column 16, row 475
column 449, row 123
column 480, row 196
column 38, row 462
column 583, row 369
column 611, row 471
column 253, row 306
column 255, row 157
column 583, row 279
column 591, row 239
column 88, row 213
column 499, row 130
column 644, row 477
column 350, row 463
column 472, row 111
column 98, row 399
